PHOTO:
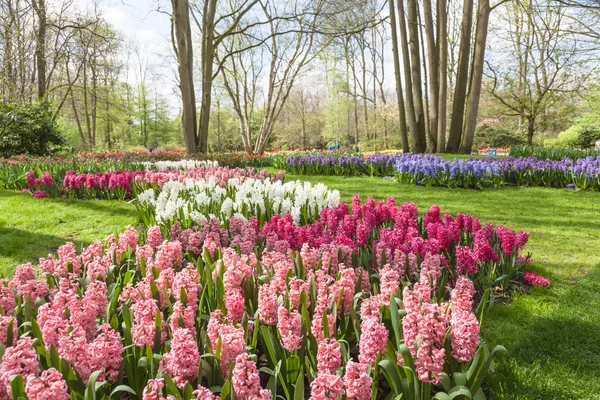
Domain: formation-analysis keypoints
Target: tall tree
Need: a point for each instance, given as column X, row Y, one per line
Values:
column 183, row 46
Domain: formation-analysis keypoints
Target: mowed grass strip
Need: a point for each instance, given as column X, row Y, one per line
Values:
column 31, row 228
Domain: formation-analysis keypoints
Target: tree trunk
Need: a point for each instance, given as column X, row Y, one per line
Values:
column 462, row 78
column 476, row 76
column 397, row 73
column 412, row 123
column 183, row 48
column 434, row 79
column 39, row 7
column 207, row 61
column 443, row 73
column 530, row 130
column 419, row 145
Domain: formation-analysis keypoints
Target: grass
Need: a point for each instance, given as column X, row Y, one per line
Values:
column 552, row 335
column 31, row 228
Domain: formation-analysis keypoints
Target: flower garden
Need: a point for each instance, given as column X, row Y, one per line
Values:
column 240, row 282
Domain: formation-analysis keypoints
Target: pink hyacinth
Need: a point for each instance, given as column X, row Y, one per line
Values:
column 7, row 297
column 465, row 260
column 430, row 362
column 465, row 335
column 169, row 255
column 143, row 329
column 203, row 393
column 462, row 294
column 181, row 362
column 246, row 381
column 329, row 356
column 357, row 382
column 153, row 390
column 390, row 281
column 531, row 278
column 231, row 338
column 27, row 285
column 267, row 304
column 5, row 321
column 183, row 314
column 326, row 387
column 19, row 359
column 50, row 385
column 289, row 325
column 373, row 338
column 105, row 353
column 73, row 347
column 154, row 236
column 234, row 302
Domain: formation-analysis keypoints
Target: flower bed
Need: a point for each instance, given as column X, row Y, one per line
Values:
column 192, row 202
column 490, row 172
column 125, row 184
column 431, row 170
column 346, row 165
column 365, row 302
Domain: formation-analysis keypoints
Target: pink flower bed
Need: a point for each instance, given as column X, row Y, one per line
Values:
column 368, row 293
column 124, row 184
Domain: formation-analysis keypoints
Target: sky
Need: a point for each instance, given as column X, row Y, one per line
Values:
column 142, row 25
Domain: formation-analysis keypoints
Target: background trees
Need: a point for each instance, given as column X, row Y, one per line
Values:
column 420, row 75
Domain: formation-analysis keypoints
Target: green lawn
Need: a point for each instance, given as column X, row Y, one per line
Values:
column 31, row 228
column 552, row 335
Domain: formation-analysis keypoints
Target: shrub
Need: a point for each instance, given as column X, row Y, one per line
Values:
column 496, row 136
column 588, row 134
column 565, row 140
column 28, row 128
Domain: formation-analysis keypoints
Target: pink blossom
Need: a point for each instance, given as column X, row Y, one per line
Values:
column 19, row 359
column 203, row 393
column 50, row 385
column 144, row 326
column 465, row 260
column 7, row 297
column 5, row 321
column 357, row 382
column 153, row 390
column 104, row 353
column 373, row 338
column 246, row 381
column 154, row 236
column 326, row 387
column 73, row 347
column 267, row 304
column 231, row 339
column 234, row 302
column 329, row 356
column 462, row 294
column 181, row 362
column 531, row 278
column 465, row 335
column 289, row 325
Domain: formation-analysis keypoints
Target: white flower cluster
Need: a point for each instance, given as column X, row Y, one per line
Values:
column 178, row 165
column 196, row 201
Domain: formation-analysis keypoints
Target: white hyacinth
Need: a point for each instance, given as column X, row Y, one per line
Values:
column 201, row 200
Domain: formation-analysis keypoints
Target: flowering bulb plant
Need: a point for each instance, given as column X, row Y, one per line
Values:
column 194, row 201
column 367, row 301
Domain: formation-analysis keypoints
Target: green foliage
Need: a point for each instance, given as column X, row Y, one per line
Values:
column 565, row 140
column 543, row 153
column 28, row 128
column 576, row 137
column 497, row 136
column 588, row 135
